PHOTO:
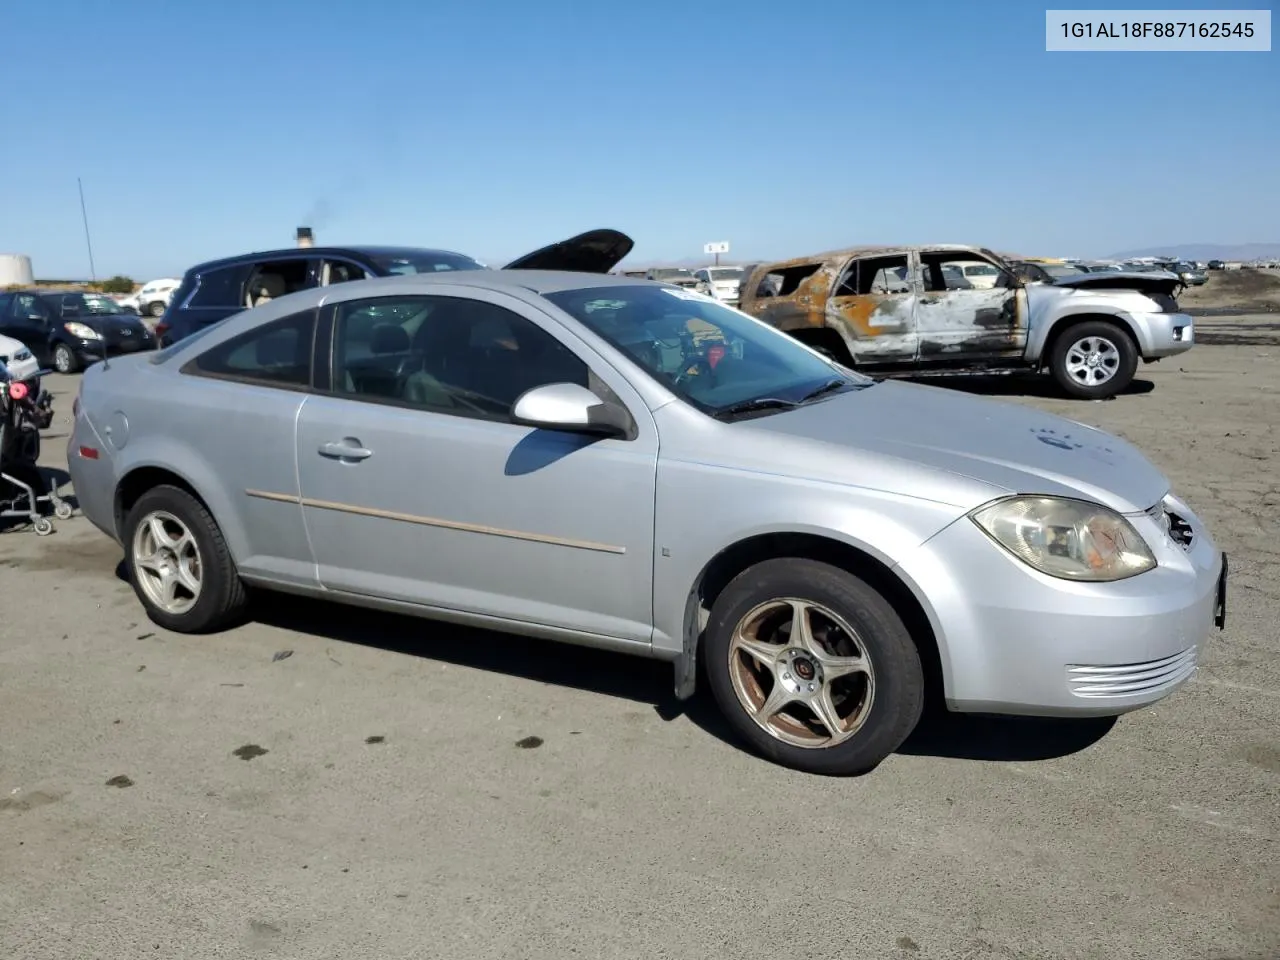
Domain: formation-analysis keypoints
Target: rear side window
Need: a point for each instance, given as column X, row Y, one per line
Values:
column 223, row 287
column 275, row 354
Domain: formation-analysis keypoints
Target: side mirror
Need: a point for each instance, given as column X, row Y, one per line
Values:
column 571, row 408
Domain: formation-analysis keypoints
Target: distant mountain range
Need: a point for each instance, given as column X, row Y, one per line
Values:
column 1206, row 251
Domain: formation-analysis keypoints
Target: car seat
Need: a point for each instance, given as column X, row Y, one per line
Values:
column 266, row 287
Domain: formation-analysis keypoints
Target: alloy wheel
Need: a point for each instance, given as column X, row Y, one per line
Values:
column 801, row 672
column 166, row 559
column 1092, row 361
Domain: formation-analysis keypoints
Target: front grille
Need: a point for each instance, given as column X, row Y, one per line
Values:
column 1128, row 679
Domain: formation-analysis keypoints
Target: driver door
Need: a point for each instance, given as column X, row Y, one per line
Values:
column 416, row 486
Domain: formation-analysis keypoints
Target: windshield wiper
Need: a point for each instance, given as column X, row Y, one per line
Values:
column 751, row 406
column 828, row 387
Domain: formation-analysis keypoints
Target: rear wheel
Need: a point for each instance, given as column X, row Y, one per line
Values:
column 813, row 667
column 179, row 564
column 1094, row 360
column 156, row 309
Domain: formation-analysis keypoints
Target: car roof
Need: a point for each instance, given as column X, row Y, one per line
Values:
column 370, row 250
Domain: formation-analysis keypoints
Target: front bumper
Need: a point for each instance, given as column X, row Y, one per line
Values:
column 1015, row 641
column 90, row 351
column 1164, row 334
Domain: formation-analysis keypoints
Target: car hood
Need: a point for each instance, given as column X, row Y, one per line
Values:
column 596, row 251
column 1002, row 444
column 1155, row 282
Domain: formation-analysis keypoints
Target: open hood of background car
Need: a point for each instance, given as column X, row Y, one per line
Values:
column 596, row 251
column 1161, row 282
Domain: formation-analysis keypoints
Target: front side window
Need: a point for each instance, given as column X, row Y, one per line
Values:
column 446, row 354
column 714, row 357
column 274, row 354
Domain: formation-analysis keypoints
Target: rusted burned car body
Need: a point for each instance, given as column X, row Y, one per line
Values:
column 910, row 311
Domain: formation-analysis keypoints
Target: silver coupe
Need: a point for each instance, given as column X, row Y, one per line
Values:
column 632, row 465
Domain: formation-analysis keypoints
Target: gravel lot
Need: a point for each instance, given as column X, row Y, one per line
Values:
column 394, row 788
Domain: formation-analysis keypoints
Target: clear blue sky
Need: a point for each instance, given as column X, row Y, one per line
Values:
column 205, row 129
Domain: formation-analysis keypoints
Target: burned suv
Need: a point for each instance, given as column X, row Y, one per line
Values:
column 911, row 311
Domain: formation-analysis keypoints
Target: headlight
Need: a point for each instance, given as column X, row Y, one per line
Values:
column 23, row 354
column 1071, row 539
column 82, row 331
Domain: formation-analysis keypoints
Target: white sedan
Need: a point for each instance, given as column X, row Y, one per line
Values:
column 19, row 361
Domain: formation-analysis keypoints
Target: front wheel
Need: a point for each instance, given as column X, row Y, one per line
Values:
column 156, row 309
column 179, row 564
column 1094, row 360
column 64, row 360
column 813, row 667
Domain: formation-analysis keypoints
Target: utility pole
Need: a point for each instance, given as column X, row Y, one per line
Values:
column 93, row 275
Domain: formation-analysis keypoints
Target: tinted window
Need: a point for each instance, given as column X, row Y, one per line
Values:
column 704, row 352
column 28, row 306
column 221, row 288
column 277, row 353
column 423, row 261
column 446, row 354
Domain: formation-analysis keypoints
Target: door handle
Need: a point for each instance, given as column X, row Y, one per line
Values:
column 929, row 300
column 347, row 449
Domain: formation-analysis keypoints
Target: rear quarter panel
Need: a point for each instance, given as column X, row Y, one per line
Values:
column 223, row 439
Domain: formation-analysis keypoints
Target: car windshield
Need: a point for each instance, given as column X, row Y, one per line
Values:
column 102, row 306
column 1062, row 270
column 670, row 273
column 721, row 361
column 726, row 273
column 424, row 261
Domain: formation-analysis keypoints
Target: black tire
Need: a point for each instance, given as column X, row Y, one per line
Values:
column 155, row 309
column 64, row 359
column 222, row 597
column 899, row 696
column 1118, row 338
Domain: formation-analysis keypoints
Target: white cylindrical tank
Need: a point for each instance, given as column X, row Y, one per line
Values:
column 15, row 270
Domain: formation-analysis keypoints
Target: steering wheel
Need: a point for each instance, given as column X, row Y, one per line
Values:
column 691, row 367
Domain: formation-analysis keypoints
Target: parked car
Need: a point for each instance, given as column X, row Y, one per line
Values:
column 217, row 289
column 1190, row 275
column 979, row 274
column 17, row 358
column 890, row 310
column 630, row 465
column 678, row 276
column 153, row 299
column 719, row 282
column 68, row 330
column 1217, row 265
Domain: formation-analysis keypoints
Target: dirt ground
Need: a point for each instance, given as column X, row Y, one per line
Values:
column 331, row 783
column 1234, row 291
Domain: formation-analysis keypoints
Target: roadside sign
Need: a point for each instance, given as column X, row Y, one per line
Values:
column 721, row 247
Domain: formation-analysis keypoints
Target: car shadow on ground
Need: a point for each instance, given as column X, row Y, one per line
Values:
column 1014, row 385
column 940, row 733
